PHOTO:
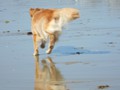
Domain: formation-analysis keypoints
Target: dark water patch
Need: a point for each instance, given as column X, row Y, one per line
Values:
column 17, row 33
column 111, row 43
column 103, row 86
column 1, row 10
column 70, row 50
column 7, row 21
column 29, row 33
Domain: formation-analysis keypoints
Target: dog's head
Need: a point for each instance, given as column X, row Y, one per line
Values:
column 34, row 10
column 70, row 13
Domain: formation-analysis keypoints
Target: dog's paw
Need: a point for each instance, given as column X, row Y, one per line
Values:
column 42, row 45
column 35, row 54
column 48, row 51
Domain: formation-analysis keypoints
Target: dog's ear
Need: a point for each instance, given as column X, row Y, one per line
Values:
column 38, row 9
column 31, row 11
column 34, row 10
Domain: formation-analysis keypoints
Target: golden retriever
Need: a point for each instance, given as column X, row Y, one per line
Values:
column 47, row 24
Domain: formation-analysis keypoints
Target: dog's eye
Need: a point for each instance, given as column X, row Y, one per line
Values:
column 75, row 14
column 56, row 19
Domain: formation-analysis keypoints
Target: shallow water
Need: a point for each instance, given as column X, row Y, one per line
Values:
column 86, row 56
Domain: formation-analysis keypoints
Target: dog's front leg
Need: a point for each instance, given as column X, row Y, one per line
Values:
column 51, row 43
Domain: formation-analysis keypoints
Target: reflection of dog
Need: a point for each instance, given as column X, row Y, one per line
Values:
column 48, row 23
column 47, row 76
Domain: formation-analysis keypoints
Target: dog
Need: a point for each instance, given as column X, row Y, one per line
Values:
column 48, row 23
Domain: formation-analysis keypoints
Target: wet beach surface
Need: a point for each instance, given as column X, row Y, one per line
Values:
column 87, row 56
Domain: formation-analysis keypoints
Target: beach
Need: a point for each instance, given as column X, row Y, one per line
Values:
column 86, row 57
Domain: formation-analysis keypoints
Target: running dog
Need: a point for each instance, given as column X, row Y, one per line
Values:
column 47, row 24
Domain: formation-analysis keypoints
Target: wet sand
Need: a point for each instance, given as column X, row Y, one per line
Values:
column 87, row 56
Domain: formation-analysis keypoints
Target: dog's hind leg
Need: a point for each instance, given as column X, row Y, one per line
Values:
column 35, row 44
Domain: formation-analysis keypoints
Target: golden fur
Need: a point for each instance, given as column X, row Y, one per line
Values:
column 48, row 23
